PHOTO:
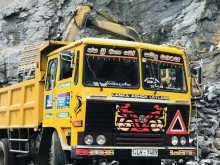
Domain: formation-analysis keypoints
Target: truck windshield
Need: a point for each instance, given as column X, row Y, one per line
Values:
column 163, row 72
column 111, row 67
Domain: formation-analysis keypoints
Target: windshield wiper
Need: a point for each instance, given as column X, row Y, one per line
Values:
column 94, row 74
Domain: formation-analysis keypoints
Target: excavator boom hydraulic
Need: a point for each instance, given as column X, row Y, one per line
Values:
column 101, row 21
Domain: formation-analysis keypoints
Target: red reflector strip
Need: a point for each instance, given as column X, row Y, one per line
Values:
column 94, row 152
column 82, row 152
column 77, row 123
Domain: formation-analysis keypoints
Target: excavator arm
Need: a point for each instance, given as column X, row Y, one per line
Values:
column 101, row 21
column 126, row 32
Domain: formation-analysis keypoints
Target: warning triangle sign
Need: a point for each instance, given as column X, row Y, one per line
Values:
column 177, row 126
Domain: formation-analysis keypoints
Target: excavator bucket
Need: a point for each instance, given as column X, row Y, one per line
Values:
column 77, row 22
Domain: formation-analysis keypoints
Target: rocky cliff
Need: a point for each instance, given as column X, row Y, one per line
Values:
column 193, row 24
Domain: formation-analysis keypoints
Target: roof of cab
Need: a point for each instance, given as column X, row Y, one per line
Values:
column 102, row 41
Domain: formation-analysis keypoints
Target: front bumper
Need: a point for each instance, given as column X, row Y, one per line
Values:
column 134, row 152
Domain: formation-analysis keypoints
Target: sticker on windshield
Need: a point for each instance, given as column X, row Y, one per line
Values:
column 112, row 83
column 147, row 54
column 110, row 51
column 152, row 81
column 150, row 55
column 63, row 100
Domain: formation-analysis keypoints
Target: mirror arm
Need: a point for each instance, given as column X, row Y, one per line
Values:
column 72, row 62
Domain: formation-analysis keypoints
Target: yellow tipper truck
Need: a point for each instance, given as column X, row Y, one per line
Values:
column 100, row 100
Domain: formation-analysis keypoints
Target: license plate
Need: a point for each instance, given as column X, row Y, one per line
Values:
column 144, row 152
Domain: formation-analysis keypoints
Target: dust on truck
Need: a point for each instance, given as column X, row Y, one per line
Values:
column 99, row 99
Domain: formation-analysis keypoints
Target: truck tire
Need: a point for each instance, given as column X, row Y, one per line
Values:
column 57, row 155
column 5, row 157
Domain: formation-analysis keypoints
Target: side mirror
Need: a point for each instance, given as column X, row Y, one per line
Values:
column 196, row 90
column 196, row 72
column 196, row 82
column 68, row 56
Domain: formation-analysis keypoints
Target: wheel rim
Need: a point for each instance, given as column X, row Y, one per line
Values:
column 2, row 156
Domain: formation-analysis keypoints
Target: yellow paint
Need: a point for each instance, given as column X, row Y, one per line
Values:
column 23, row 105
column 182, row 153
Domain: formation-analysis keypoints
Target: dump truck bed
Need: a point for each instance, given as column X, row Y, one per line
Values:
column 21, row 105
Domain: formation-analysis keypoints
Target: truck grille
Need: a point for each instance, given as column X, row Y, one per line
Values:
column 129, row 123
column 99, row 117
column 139, row 139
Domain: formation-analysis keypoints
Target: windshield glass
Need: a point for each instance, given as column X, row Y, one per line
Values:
column 163, row 71
column 107, row 66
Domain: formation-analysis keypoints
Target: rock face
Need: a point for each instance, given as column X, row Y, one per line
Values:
column 206, row 126
column 8, row 65
column 30, row 21
column 23, row 22
column 194, row 24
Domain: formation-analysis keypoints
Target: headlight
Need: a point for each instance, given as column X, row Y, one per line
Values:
column 88, row 139
column 174, row 140
column 101, row 140
column 182, row 141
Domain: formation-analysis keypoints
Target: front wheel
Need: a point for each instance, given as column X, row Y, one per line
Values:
column 5, row 157
column 57, row 156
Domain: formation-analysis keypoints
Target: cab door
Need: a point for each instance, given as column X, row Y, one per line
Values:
column 64, row 89
column 49, row 96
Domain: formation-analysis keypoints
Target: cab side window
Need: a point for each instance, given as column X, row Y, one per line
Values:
column 66, row 69
column 51, row 74
column 76, row 76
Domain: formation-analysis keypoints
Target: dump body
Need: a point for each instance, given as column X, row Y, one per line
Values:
column 21, row 105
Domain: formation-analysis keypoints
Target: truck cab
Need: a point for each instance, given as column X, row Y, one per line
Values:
column 113, row 99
